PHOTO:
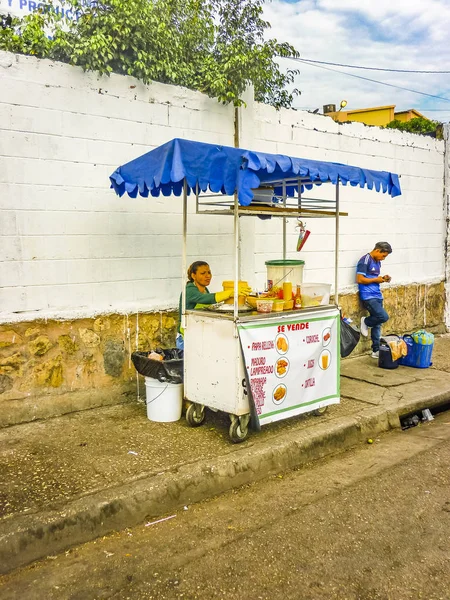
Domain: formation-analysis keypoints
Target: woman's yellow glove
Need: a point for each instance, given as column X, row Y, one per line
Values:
column 225, row 295
column 245, row 291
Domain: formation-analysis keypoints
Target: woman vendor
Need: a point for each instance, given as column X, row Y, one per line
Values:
column 197, row 293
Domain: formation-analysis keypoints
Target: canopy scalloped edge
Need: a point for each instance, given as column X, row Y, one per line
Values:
column 226, row 170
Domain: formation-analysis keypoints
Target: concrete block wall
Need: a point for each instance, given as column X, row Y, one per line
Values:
column 79, row 266
column 446, row 131
column 68, row 245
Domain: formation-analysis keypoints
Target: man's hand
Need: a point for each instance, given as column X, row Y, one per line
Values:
column 362, row 279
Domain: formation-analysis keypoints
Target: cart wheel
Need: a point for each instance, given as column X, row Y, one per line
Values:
column 195, row 415
column 320, row 411
column 239, row 429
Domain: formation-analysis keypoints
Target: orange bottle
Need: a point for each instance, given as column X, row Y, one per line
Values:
column 287, row 290
column 298, row 298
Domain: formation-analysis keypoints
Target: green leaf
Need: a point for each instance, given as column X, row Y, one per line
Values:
column 216, row 46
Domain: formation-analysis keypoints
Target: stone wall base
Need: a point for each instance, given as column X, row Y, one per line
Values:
column 49, row 368
column 411, row 307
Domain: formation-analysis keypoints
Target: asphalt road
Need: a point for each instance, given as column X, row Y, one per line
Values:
column 370, row 524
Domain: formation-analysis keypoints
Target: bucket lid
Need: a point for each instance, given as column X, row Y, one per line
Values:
column 231, row 283
column 284, row 263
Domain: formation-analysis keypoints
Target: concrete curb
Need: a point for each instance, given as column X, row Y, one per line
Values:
column 27, row 410
column 31, row 537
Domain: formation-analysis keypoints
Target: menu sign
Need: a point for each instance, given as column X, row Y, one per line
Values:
column 292, row 365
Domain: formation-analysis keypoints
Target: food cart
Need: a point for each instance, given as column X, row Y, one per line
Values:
column 257, row 367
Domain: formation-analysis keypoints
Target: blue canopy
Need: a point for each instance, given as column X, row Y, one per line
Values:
column 228, row 170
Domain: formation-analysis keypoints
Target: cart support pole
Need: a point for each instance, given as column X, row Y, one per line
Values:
column 184, row 257
column 284, row 222
column 336, row 249
column 236, row 261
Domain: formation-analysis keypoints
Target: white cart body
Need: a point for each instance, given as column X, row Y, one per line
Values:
column 219, row 369
column 213, row 366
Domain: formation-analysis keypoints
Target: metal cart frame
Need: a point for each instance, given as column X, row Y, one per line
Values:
column 234, row 176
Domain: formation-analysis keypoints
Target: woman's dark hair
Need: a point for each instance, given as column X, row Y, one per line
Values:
column 383, row 247
column 195, row 267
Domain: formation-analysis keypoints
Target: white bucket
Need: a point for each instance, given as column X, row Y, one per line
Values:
column 164, row 400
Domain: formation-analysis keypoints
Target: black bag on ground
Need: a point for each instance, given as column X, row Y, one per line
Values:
column 169, row 370
column 349, row 338
column 385, row 360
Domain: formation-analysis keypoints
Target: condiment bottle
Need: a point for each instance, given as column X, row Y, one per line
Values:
column 298, row 298
column 287, row 290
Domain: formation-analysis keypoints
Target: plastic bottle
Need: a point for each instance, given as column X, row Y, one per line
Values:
column 287, row 290
column 426, row 415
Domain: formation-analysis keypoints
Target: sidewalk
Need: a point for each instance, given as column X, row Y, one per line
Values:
column 73, row 478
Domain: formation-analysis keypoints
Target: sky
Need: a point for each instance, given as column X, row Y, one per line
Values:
column 391, row 34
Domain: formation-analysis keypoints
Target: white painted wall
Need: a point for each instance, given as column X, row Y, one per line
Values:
column 70, row 247
column 447, row 215
column 414, row 223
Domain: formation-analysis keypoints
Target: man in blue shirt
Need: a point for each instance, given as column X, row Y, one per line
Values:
column 368, row 279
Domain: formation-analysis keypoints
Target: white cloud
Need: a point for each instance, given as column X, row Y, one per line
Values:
column 383, row 33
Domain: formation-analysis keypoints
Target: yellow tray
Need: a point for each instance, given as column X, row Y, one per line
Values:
column 251, row 301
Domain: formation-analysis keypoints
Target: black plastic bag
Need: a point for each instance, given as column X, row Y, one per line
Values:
column 169, row 370
column 349, row 338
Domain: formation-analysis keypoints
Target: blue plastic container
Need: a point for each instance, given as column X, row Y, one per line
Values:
column 420, row 349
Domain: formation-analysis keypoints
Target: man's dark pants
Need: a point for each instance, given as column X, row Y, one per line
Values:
column 377, row 317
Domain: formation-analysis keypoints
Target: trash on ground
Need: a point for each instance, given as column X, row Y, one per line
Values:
column 426, row 415
column 160, row 520
column 410, row 422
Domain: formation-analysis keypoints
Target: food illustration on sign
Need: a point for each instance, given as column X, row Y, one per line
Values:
column 282, row 344
column 292, row 363
column 325, row 360
column 282, row 367
column 279, row 394
column 326, row 336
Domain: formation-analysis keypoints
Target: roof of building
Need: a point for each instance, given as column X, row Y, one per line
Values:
column 410, row 110
column 370, row 109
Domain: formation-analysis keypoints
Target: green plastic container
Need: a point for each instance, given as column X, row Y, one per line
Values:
column 280, row 271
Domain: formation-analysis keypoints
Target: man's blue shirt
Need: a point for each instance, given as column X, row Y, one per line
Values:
column 370, row 268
